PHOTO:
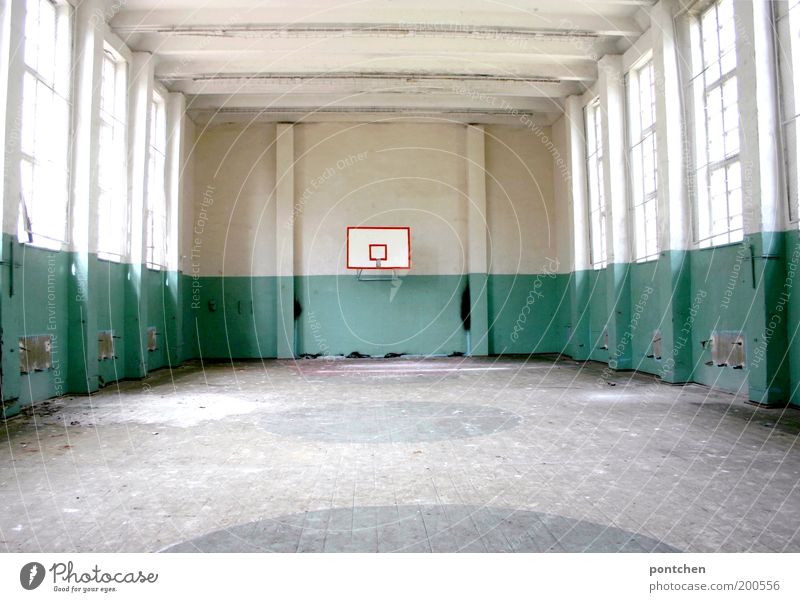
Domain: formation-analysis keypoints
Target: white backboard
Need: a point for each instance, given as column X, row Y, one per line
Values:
column 379, row 248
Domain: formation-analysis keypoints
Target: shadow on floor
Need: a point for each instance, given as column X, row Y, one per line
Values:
column 447, row 528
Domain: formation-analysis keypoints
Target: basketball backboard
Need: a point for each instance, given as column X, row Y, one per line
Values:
column 378, row 248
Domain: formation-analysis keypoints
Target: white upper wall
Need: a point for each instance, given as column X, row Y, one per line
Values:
column 234, row 201
column 398, row 173
column 520, row 201
column 380, row 174
column 562, row 206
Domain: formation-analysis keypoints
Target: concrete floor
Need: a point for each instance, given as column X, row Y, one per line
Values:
column 400, row 455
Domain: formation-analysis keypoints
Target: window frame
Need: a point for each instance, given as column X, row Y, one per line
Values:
column 117, row 120
column 706, row 165
column 597, row 205
column 60, row 87
column 156, row 255
column 638, row 135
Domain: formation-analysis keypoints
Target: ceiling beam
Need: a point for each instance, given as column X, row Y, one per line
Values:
column 377, row 68
column 369, row 115
column 351, row 84
column 310, row 102
column 523, row 25
column 205, row 45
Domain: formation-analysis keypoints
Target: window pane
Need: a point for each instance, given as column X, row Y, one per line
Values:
column 31, row 33
column 63, row 54
column 648, row 165
column 731, row 116
column 45, row 124
column 642, row 161
column 718, row 211
column 28, row 126
column 710, row 41
column 112, row 169
column 651, row 228
column 640, row 232
column 46, row 40
column 637, row 178
column 157, row 211
column 26, row 183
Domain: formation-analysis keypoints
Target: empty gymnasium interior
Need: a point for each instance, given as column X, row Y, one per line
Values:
column 381, row 276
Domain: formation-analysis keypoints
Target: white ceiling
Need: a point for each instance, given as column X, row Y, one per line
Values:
column 474, row 60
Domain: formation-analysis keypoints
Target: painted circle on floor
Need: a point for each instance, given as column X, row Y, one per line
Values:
column 428, row 528
column 390, row 422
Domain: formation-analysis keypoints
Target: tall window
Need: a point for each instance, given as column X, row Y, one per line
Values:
column 112, row 210
column 643, row 160
column 716, row 100
column 156, row 197
column 594, row 172
column 45, row 124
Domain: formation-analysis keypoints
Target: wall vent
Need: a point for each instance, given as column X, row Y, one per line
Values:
column 655, row 345
column 35, row 353
column 152, row 343
column 105, row 345
column 727, row 349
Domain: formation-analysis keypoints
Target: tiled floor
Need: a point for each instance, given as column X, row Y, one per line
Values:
column 400, row 455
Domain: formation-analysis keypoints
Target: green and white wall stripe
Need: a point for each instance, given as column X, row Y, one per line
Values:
column 258, row 217
column 398, row 172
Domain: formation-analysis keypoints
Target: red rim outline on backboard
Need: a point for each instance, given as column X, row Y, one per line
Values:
column 408, row 233
column 379, row 246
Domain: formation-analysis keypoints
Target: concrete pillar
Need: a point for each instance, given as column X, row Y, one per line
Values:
column 673, row 274
column 188, row 271
column 12, row 44
column 11, row 71
column 6, row 59
column 284, row 240
column 789, row 61
column 82, row 276
column 173, row 314
column 612, row 103
column 765, row 209
column 476, row 243
column 141, row 93
column 579, row 345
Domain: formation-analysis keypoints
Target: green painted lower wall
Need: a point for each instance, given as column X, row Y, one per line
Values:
column 528, row 313
column 685, row 296
column 412, row 315
column 48, row 292
column 236, row 317
column 231, row 317
column 723, row 296
column 34, row 302
column 160, row 314
column 647, row 314
column 111, row 277
column 597, row 308
column 792, row 283
column 726, row 294
column 116, row 308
